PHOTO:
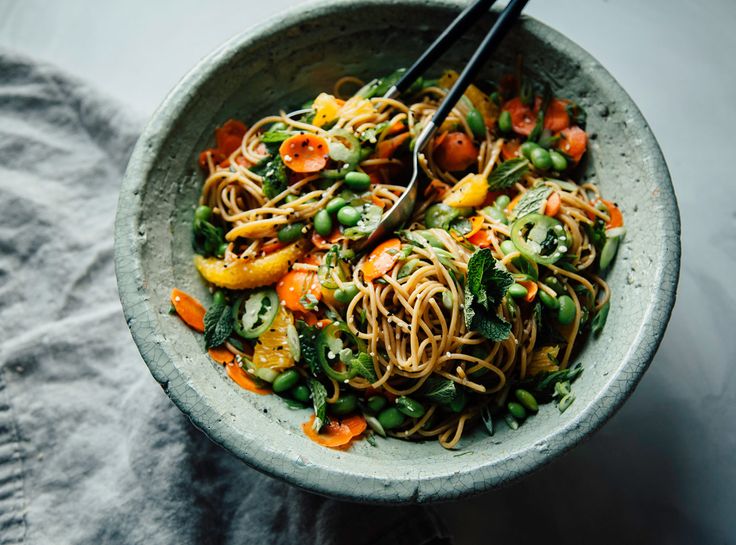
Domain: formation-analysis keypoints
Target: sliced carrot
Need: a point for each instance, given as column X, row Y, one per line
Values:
column 378, row 202
column 436, row 188
column 189, row 309
column 356, row 423
column 556, row 117
column 482, row 239
column 510, row 149
column 614, row 212
column 514, row 202
column 552, row 206
column 396, row 128
column 221, row 354
column 272, row 247
column 388, row 147
column 323, row 243
column 305, row 152
column 455, row 152
column 523, row 118
column 242, row 379
column 574, row 142
column 295, row 285
column 217, row 157
column 334, row 434
column 476, row 223
column 229, row 136
column 381, row 259
column 531, row 289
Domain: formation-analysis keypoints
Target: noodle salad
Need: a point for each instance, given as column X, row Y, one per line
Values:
column 472, row 313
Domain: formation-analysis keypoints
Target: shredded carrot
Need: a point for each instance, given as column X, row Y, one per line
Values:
column 455, row 151
column 295, row 285
column 378, row 202
column 574, row 142
column 531, row 289
column 510, row 149
column 552, row 206
column 388, row 147
column 334, row 434
column 482, row 239
column 556, row 117
column 397, row 127
column 221, row 354
column 614, row 213
column 242, row 379
column 437, row 188
column 189, row 309
column 323, row 243
column 272, row 247
column 305, row 152
column 381, row 259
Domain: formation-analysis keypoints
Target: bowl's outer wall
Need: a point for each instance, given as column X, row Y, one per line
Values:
column 281, row 64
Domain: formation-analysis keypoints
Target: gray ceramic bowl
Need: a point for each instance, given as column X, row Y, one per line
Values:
column 282, row 63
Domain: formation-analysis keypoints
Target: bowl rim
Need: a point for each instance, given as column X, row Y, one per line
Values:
column 132, row 290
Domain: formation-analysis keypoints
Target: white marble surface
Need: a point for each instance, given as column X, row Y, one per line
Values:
column 663, row 470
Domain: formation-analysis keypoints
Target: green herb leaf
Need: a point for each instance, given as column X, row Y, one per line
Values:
column 484, row 290
column 362, row 366
column 440, row 390
column 218, row 323
column 206, row 238
column 319, row 401
column 545, row 382
column 508, row 173
column 272, row 137
column 308, row 346
column 531, row 202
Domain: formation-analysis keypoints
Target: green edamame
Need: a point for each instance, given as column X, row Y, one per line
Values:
column 358, row 181
column 346, row 294
column 391, row 418
column 410, row 407
column 335, row 204
column 345, row 404
column 540, row 158
column 504, row 122
column 516, row 410
column 527, row 400
column 508, row 247
column 203, row 213
column 527, row 148
column 291, row 232
column 476, row 123
column 502, row 202
column 548, row 301
column 285, row 381
column 376, row 404
column 348, row 216
column 301, row 393
column 559, row 163
column 566, row 312
column 517, row 291
column 323, row 223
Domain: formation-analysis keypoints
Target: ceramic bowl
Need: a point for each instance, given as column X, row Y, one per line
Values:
column 281, row 64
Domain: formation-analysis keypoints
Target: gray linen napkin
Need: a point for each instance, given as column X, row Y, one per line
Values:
column 91, row 450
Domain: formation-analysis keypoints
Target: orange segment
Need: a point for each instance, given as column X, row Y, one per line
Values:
column 272, row 348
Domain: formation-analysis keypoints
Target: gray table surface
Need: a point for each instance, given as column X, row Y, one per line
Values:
column 662, row 471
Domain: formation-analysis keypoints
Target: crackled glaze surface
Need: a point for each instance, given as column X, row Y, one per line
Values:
column 153, row 251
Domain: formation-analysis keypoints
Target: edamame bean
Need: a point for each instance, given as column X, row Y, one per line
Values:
column 290, row 198
column 218, row 298
column 358, row 181
column 410, row 407
column 346, row 294
column 345, row 404
column 203, row 213
column 496, row 214
column 391, row 418
column 347, row 254
column 476, row 123
column 566, row 312
column 555, row 284
column 517, row 410
column 517, row 291
column 508, row 247
column 285, row 381
column 502, row 202
column 348, row 216
column 559, row 163
column 504, row 122
column 301, row 393
column 221, row 249
column 527, row 400
column 540, row 158
column 292, row 232
column 495, row 97
column 335, row 204
column 376, row 404
column 547, row 300
column 323, row 223
column 527, row 148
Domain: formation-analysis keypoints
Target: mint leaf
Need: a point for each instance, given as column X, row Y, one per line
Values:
column 363, row 366
column 508, row 173
column 531, row 202
column 308, row 346
column 484, row 290
column 272, row 137
column 273, row 172
column 440, row 390
column 319, row 401
column 218, row 323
